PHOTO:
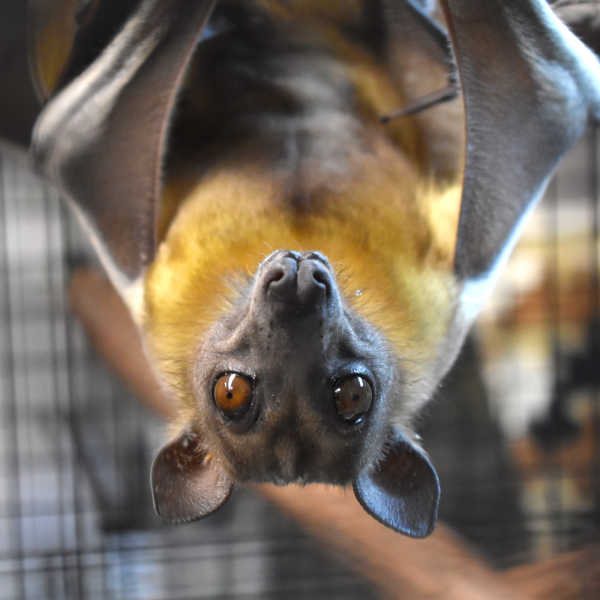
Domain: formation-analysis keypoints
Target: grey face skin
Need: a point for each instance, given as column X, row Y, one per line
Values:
column 296, row 343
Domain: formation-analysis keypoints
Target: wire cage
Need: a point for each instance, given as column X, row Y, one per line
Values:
column 76, row 516
column 514, row 431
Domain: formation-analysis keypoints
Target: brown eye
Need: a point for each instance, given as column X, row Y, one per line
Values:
column 233, row 394
column 353, row 397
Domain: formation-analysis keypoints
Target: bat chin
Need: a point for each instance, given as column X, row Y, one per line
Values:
column 283, row 481
column 281, row 478
column 279, row 475
column 290, row 462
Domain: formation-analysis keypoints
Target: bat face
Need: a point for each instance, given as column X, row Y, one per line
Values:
column 291, row 385
column 312, row 369
column 286, row 376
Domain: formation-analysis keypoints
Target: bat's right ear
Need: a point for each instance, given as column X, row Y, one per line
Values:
column 401, row 490
column 188, row 482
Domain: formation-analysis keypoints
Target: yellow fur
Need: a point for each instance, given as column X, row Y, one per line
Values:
column 378, row 225
column 359, row 192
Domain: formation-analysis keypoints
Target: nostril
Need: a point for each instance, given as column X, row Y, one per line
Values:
column 314, row 282
column 274, row 276
column 322, row 278
column 280, row 278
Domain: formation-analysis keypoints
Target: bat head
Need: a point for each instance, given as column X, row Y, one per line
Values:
column 292, row 386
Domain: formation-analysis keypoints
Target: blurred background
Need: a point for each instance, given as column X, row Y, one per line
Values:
column 514, row 431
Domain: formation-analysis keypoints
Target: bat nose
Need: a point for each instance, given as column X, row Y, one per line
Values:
column 314, row 282
column 294, row 278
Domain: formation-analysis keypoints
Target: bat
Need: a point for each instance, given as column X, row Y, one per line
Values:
column 303, row 269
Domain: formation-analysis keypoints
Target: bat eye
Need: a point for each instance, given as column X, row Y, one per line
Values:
column 233, row 395
column 353, row 397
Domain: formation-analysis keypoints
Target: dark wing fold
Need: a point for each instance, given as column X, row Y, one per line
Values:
column 101, row 139
column 529, row 86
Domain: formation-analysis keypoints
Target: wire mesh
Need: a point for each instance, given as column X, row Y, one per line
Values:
column 76, row 519
column 513, row 431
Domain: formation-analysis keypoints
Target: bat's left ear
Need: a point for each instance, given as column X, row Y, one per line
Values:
column 188, row 482
column 402, row 490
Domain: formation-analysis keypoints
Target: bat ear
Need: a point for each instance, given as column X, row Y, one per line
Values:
column 402, row 490
column 529, row 87
column 188, row 483
column 101, row 139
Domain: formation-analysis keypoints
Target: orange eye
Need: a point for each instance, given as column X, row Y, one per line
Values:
column 233, row 394
column 353, row 397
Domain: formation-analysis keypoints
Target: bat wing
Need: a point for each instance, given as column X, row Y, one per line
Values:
column 529, row 86
column 412, row 34
column 416, row 50
column 583, row 19
column 101, row 138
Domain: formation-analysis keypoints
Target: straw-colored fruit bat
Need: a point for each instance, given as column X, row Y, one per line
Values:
column 303, row 271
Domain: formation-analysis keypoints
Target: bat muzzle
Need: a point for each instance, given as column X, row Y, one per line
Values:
column 293, row 280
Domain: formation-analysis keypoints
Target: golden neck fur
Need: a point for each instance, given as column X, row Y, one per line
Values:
column 301, row 162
